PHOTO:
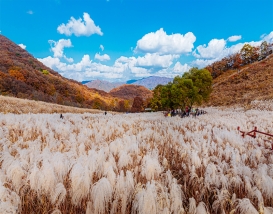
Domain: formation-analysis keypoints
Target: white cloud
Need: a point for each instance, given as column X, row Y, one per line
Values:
column 103, row 57
column 155, row 60
column 79, row 27
column 268, row 38
column 80, row 66
column 201, row 63
column 213, row 53
column 22, row 46
column 179, row 68
column 70, row 60
column 212, row 50
column 160, row 42
column 50, row 62
column 30, row 12
column 56, row 64
column 101, row 47
column 124, row 68
column 58, row 48
column 234, row 38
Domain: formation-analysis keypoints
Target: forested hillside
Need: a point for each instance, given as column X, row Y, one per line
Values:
column 243, row 77
column 128, row 92
column 247, row 55
column 23, row 76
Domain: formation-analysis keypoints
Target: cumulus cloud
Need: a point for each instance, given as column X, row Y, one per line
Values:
column 234, row 38
column 217, row 49
column 155, row 60
column 212, row 50
column 51, row 62
column 30, row 12
column 22, row 46
column 268, row 38
column 103, row 57
column 123, row 68
column 85, row 69
column 79, row 27
column 161, row 43
column 58, row 48
column 159, row 63
column 56, row 64
column 201, row 63
column 179, row 68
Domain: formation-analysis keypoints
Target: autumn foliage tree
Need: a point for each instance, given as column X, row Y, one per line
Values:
column 137, row 105
column 16, row 73
column 121, row 106
column 263, row 50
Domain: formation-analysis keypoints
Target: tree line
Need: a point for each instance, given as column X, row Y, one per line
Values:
column 193, row 87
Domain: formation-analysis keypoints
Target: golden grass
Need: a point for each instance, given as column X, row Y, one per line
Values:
column 24, row 106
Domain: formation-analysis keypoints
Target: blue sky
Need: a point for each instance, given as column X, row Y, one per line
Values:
column 117, row 40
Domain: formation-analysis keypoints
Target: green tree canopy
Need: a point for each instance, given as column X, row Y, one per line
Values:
column 202, row 80
column 193, row 87
column 156, row 99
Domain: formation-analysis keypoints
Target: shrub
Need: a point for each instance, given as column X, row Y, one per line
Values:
column 45, row 72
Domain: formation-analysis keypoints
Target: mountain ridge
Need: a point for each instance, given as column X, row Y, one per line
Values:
column 148, row 82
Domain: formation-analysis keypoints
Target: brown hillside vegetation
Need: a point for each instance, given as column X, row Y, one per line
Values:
column 251, row 82
column 23, row 76
column 129, row 92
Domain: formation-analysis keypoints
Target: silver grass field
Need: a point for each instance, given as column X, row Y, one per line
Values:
column 137, row 163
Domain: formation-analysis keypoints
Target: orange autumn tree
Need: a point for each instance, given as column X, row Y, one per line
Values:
column 16, row 73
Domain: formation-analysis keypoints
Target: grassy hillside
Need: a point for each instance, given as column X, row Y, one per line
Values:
column 24, row 106
column 251, row 82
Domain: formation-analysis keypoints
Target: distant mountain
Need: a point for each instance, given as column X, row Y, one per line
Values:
column 103, row 85
column 148, row 82
column 153, row 81
column 129, row 92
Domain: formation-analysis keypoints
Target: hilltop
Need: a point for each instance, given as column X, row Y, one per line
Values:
column 129, row 92
column 250, row 82
column 23, row 76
